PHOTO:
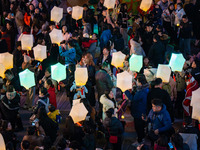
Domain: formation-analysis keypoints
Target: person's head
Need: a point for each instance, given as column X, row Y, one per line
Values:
column 146, row 61
column 179, row 6
column 5, row 125
column 158, row 83
column 37, row 10
column 185, row 19
column 52, row 108
column 123, row 7
column 25, row 145
column 47, row 72
column 196, row 63
column 19, row 45
column 40, row 5
column 94, row 36
column 110, row 112
column 75, row 35
column 177, row 140
column 9, row 75
column 31, row 7
column 49, row 83
column 31, row 130
column 10, row 88
column 69, row 10
column 171, row 6
column 43, row 92
column 106, row 51
column 88, row 59
column 52, row 25
column 109, row 94
column 141, row 80
column 41, row 41
column 71, row 44
column 157, row 105
column 164, row 1
column 9, row 25
column 64, row 29
column 85, row 7
column 137, row 38
column 137, row 19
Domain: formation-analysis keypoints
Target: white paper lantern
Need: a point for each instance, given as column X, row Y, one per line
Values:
column 136, row 62
column 56, row 14
column 124, row 81
column 40, row 52
column 76, row 101
column 77, row 12
column 145, row 5
column 163, row 72
column 27, row 78
column 118, row 59
column 56, row 36
column 7, row 60
column 81, row 76
column 109, row 4
column 27, row 41
column 2, row 70
column 177, row 62
column 58, row 72
column 195, row 100
column 2, row 143
column 78, row 112
column 150, row 74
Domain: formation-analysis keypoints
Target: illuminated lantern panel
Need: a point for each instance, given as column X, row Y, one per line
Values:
column 163, row 72
column 77, row 12
column 40, row 52
column 177, row 62
column 118, row 59
column 145, row 5
column 7, row 60
column 109, row 4
column 58, row 72
column 27, row 78
column 2, row 143
column 56, row 14
column 78, row 112
column 2, row 70
column 56, row 36
column 27, row 41
column 124, row 81
column 81, row 76
column 136, row 62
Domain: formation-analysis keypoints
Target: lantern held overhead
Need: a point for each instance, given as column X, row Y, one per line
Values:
column 58, row 72
column 177, row 62
column 40, row 52
column 27, row 41
column 27, row 78
column 118, row 59
column 2, row 70
column 56, row 14
column 124, row 81
column 109, row 4
column 78, row 112
column 163, row 72
column 145, row 5
column 56, row 36
column 7, row 60
column 81, row 76
column 77, row 12
column 136, row 62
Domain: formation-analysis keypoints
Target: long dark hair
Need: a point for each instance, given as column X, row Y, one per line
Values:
column 122, row 8
column 107, row 92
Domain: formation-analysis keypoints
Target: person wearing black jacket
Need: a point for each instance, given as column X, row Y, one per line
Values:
column 3, row 45
column 157, row 92
column 156, row 52
column 18, row 58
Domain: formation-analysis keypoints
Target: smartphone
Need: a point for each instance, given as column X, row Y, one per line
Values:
column 33, row 123
column 170, row 145
column 38, row 64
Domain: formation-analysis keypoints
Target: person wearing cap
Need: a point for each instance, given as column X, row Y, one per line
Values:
column 69, row 21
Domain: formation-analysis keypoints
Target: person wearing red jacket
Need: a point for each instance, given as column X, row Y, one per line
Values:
column 52, row 94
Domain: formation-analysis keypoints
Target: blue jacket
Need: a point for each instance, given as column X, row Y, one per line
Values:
column 105, row 37
column 160, row 120
column 70, row 55
column 138, row 102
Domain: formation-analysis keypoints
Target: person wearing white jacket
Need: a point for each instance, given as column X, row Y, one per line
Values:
column 107, row 100
column 179, row 14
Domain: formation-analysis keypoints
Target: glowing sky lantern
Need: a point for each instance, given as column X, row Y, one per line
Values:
column 2, row 143
column 27, row 78
column 81, row 76
column 163, row 72
column 58, row 72
column 109, row 4
column 195, row 104
column 145, row 5
column 56, row 36
column 7, row 60
column 56, row 14
column 176, row 62
column 136, row 62
column 40, row 52
column 124, row 81
column 78, row 112
column 118, row 59
column 77, row 12
column 2, row 70
column 27, row 41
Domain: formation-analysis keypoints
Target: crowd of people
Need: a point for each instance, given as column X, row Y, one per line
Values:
column 167, row 27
